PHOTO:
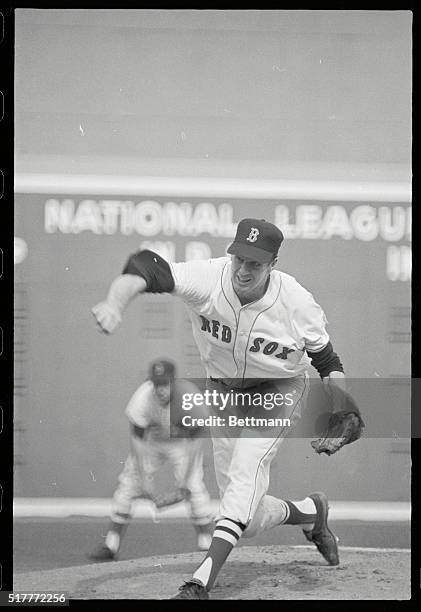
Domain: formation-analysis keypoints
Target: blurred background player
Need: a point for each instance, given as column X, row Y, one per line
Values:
column 154, row 441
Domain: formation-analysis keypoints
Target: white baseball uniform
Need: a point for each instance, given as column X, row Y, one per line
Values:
column 149, row 454
column 257, row 352
column 265, row 339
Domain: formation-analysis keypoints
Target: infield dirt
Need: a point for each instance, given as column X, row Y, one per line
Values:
column 252, row 572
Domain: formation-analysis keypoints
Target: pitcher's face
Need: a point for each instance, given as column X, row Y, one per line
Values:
column 250, row 278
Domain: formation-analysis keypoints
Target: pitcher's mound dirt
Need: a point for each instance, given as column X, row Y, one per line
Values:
column 251, row 572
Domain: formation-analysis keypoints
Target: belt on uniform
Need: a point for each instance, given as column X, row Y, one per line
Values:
column 218, row 380
column 255, row 383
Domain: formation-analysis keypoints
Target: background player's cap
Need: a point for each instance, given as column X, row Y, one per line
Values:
column 161, row 371
column 257, row 239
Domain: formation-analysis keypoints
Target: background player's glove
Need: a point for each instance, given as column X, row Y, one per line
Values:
column 343, row 428
column 107, row 317
column 172, row 497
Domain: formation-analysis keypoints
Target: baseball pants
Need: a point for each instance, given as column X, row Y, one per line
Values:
column 242, row 463
column 137, row 477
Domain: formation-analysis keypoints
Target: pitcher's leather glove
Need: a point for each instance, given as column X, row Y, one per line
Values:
column 345, row 425
column 343, row 428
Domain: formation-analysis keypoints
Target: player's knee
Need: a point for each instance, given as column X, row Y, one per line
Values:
column 250, row 531
column 255, row 525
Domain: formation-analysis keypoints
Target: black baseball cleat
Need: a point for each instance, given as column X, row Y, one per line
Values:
column 321, row 535
column 192, row 589
column 102, row 553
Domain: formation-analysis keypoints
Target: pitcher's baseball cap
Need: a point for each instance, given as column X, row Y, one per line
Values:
column 256, row 239
column 161, row 371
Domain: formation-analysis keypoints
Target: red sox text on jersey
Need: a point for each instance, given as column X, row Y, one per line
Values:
column 269, row 347
column 267, row 338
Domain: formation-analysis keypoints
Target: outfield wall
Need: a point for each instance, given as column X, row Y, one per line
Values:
column 73, row 383
column 161, row 129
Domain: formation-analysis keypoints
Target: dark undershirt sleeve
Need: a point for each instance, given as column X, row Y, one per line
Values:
column 326, row 361
column 138, row 432
column 153, row 268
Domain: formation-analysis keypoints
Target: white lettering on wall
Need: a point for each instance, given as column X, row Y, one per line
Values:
column 409, row 223
column 282, row 220
column 197, row 250
column 147, row 218
column 399, row 263
column 87, row 218
column 20, row 250
column 336, row 223
column 309, row 218
column 364, row 222
column 165, row 249
column 393, row 223
column 110, row 211
column 127, row 210
column 58, row 216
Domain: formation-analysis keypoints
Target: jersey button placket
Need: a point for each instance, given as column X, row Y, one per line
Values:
column 244, row 336
column 238, row 352
column 241, row 343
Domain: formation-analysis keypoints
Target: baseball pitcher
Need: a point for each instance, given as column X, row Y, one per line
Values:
column 258, row 331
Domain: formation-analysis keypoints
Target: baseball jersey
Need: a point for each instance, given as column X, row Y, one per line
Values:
column 164, row 422
column 145, row 410
column 267, row 338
